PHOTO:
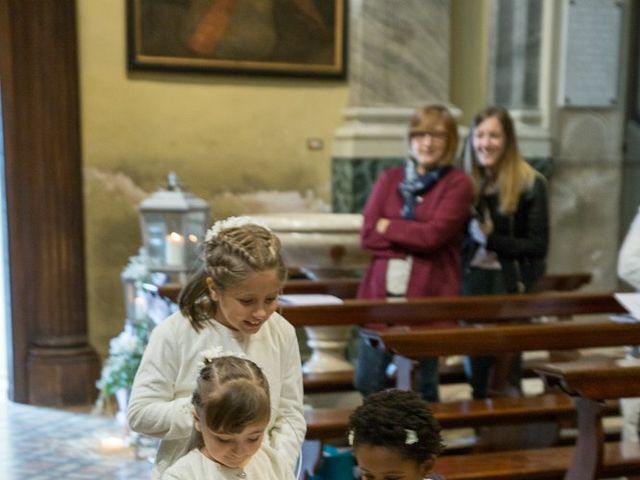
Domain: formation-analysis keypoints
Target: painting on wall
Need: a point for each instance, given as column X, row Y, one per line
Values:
column 275, row 37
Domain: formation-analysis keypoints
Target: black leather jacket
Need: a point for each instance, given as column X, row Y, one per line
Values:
column 521, row 240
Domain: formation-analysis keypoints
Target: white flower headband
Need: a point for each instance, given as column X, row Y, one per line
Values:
column 231, row 222
column 218, row 351
column 412, row 437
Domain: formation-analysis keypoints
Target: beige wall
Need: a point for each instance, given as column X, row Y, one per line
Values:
column 237, row 141
column 469, row 40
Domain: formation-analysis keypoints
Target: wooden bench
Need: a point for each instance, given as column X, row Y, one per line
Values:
column 539, row 464
column 346, row 288
column 474, row 309
column 330, row 423
column 590, row 382
column 462, row 340
column 326, row 424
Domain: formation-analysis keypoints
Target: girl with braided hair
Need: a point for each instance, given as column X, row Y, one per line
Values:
column 395, row 436
column 231, row 410
column 229, row 303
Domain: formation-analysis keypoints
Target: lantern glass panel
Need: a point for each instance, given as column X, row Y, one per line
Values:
column 154, row 231
column 194, row 229
column 129, row 285
column 174, row 240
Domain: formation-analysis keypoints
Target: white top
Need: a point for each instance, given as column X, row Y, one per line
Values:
column 160, row 403
column 629, row 256
column 398, row 274
column 266, row 464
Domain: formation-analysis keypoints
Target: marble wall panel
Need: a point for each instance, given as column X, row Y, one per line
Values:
column 398, row 52
column 584, row 220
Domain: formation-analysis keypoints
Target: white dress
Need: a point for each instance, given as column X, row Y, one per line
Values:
column 266, row 464
column 160, row 403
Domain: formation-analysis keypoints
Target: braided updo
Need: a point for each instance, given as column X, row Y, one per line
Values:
column 229, row 258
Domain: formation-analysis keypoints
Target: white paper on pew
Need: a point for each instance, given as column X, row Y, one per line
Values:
column 309, row 299
column 630, row 301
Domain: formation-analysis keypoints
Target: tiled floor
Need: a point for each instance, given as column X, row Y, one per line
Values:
column 42, row 443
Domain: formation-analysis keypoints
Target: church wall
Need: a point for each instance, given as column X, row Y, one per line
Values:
column 237, row 141
column 240, row 143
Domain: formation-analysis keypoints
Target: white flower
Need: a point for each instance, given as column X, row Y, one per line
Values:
column 350, row 438
column 138, row 267
column 231, row 222
column 124, row 343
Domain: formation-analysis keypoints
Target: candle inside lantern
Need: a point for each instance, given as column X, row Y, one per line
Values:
column 174, row 249
column 140, row 307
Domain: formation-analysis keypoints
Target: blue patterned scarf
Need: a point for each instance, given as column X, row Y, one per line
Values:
column 415, row 184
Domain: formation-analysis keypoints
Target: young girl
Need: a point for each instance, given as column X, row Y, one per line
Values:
column 229, row 303
column 394, row 435
column 231, row 412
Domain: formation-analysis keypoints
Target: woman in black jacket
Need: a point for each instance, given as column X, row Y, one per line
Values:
column 508, row 237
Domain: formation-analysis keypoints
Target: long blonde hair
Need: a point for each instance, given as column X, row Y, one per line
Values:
column 515, row 175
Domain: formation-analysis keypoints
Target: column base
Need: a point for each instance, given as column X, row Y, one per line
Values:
column 61, row 377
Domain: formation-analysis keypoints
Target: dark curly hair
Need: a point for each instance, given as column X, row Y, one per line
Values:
column 385, row 417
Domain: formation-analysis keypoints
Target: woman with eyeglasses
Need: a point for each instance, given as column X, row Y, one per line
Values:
column 414, row 221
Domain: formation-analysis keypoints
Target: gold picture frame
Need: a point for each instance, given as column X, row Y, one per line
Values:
column 269, row 37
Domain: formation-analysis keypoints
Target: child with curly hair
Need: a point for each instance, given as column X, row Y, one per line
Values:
column 394, row 435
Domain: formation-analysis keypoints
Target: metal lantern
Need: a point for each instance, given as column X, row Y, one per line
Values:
column 173, row 223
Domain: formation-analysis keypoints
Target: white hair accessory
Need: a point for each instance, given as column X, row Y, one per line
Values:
column 412, row 437
column 231, row 222
column 350, row 437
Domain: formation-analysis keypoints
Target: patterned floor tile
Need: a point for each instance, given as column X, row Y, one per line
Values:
column 47, row 444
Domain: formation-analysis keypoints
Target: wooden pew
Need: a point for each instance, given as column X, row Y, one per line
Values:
column 590, row 382
column 325, row 424
column 330, row 423
column 486, row 311
column 346, row 288
column 493, row 339
column 473, row 309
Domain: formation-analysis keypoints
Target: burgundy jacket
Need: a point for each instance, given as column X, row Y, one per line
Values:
column 434, row 238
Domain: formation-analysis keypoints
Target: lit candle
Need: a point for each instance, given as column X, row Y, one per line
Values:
column 174, row 249
column 112, row 444
column 140, row 307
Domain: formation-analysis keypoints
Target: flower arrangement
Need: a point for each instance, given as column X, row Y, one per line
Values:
column 126, row 349
column 125, row 353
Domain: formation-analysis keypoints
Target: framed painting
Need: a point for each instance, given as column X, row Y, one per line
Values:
column 274, row 37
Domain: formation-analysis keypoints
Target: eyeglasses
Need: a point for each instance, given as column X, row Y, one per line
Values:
column 435, row 136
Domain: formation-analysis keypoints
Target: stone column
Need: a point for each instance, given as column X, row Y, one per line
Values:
column 398, row 60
